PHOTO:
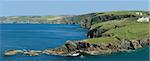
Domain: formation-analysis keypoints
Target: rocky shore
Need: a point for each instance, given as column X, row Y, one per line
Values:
column 77, row 48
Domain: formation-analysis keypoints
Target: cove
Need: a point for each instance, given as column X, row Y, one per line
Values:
column 43, row 36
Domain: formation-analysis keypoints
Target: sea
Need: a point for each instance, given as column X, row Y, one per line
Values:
column 44, row 36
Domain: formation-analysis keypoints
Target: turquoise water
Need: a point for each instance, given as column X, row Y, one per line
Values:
column 43, row 36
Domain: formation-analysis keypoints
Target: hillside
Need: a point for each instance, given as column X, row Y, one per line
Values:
column 117, row 30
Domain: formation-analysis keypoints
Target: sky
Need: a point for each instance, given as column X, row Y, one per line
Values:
column 67, row 7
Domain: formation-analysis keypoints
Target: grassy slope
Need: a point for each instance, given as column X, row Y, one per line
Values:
column 128, row 28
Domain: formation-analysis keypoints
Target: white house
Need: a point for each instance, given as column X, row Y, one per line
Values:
column 139, row 13
column 144, row 19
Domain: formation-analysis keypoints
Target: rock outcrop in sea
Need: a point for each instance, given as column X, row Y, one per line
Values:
column 77, row 48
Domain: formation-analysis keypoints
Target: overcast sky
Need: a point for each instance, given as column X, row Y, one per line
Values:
column 66, row 7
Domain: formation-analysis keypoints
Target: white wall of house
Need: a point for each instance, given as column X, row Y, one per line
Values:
column 139, row 13
column 143, row 19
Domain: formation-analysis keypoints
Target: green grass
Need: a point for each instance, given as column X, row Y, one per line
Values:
column 100, row 40
column 121, row 13
column 24, row 18
column 107, row 25
column 47, row 17
column 132, row 31
column 111, row 24
column 126, row 29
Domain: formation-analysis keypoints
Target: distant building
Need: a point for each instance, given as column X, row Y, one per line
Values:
column 144, row 19
column 139, row 13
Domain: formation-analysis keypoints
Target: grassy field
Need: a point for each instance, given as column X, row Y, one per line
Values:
column 123, row 29
column 122, row 13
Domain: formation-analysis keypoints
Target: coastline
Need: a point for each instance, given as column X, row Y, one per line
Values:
column 86, row 21
column 82, row 48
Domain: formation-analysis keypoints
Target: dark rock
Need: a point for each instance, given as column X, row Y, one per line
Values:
column 136, row 44
column 126, row 44
column 82, row 45
column 99, row 32
column 92, row 33
column 70, row 45
column 144, row 42
column 96, row 33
